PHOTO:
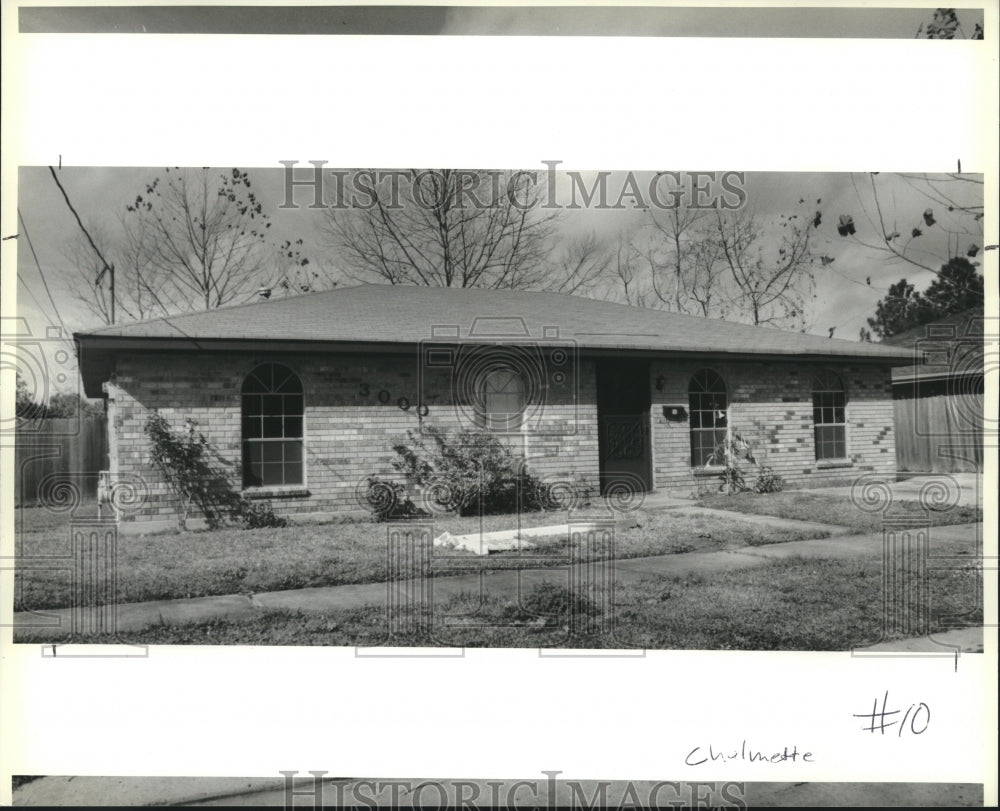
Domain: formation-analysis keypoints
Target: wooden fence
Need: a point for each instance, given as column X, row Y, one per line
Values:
column 939, row 432
column 51, row 455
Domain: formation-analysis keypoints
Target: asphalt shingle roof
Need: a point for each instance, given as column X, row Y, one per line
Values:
column 408, row 315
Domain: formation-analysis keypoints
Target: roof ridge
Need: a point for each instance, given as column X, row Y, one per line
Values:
column 228, row 308
column 593, row 321
column 168, row 319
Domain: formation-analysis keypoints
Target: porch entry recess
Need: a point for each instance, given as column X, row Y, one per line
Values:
column 623, row 401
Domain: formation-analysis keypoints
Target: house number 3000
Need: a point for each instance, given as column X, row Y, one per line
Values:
column 385, row 397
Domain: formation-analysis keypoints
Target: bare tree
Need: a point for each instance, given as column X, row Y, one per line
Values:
column 451, row 228
column 137, row 289
column 672, row 258
column 946, row 222
column 206, row 237
column 293, row 276
column 629, row 280
column 770, row 268
column 720, row 264
column 706, row 286
column 580, row 268
column 195, row 239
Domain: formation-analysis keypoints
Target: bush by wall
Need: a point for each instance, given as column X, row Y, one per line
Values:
column 470, row 473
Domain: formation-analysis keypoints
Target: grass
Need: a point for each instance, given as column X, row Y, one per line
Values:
column 839, row 510
column 790, row 604
column 235, row 561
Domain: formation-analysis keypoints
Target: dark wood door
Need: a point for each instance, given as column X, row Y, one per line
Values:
column 623, row 400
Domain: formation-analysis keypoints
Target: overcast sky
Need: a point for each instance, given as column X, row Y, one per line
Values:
column 844, row 296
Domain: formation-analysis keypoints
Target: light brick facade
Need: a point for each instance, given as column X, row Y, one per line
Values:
column 357, row 406
column 771, row 404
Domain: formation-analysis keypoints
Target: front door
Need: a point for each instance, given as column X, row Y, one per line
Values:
column 623, row 400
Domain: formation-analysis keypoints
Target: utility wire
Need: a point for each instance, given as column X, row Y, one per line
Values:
column 34, row 298
column 41, row 273
column 108, row 268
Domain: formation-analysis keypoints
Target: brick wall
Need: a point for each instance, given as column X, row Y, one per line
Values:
column 772, row 404
column 353, row 416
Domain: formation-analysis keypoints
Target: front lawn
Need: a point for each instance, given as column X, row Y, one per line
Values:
column 236, row 561
column 838, row 510
column 790, row 604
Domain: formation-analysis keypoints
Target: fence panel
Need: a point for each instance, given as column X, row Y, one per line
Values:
column 59, row 450
column 926, row 426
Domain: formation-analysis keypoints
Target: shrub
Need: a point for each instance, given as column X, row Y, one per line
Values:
column 387, row 499
column 259, row 515
column 469, row 473
column 768, row 481
column 731, row 453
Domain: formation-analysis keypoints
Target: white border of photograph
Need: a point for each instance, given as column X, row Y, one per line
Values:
column 627, row 103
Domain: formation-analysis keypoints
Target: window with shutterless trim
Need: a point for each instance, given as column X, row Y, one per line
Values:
column 503, row 400
column 272, row 410
column 829, row 416
column 708, row 405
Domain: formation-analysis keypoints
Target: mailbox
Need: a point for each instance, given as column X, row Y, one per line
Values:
column 675, row 413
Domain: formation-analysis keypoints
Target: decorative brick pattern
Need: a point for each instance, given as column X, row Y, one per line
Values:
column 353, row 416
column 771, row 403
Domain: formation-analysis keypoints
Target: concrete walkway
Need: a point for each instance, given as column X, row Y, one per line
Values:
column 136, row 616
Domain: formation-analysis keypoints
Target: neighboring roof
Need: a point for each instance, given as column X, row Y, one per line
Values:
column 949, row 347
column 372, row 317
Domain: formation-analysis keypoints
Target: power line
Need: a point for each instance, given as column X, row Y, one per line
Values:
column 108, row 268
column 34, row 298
column 41, row 274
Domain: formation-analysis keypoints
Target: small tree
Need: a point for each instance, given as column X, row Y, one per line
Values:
column 731, row 453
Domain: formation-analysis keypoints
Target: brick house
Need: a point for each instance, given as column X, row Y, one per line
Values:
column 305, row 396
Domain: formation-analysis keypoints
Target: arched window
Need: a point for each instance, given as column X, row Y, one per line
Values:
column 503, row 400
column 708, row 403
column 272, row 411
column 829, row 421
